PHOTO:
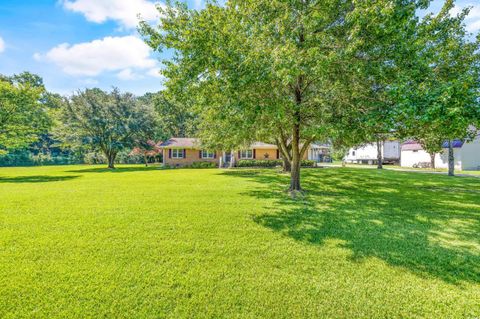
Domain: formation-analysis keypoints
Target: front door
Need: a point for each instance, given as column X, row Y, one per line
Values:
column 228, row 157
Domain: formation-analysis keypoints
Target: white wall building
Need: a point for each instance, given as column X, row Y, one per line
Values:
column 367, row 154
column 466, row 155
column 319, row 153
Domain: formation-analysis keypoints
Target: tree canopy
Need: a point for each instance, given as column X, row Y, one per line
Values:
column 23, row 116
column 107, row 122
column 301, row 70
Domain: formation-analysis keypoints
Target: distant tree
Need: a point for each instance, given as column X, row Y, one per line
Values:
column 440, row 101
column 147, row 149
column 177, row 118
column 22, row 115
column 107, row 122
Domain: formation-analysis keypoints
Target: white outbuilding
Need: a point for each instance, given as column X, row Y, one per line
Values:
column 367, row 153
column 466, row 155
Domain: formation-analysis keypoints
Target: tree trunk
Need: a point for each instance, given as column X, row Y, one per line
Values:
column 287, row 166
column 379, row 155
column 295, row 167
column 432, row 160
column 111, row 160
column 145, row 157
column 451, row 160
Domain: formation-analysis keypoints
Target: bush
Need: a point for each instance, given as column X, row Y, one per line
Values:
column 259, row 163
column 203, row 165
column 94, row 158
column 307, row 163
column 27, row 158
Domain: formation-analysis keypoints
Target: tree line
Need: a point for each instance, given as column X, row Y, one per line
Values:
column 91, row 120
column 303, row 70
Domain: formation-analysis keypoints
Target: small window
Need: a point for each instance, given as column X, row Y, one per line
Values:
column 246, row 154
column 177, row 153
column 415, row 151
column 207, row 154
column 353, row 153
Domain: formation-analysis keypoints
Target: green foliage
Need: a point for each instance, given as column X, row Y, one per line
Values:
column 203, row 165
column 24, row 157
column 22, row 115
column 83, row 241
column 438, row 99
column 308, row 163
column 292, row 72
column 176, row 115
column 258, row 163
column 106, row 122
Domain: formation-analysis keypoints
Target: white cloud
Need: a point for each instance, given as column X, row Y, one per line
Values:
column 473, row 19
column 2, row 45
column 155, row 73
column 107, row 54
column 89, row 81
column 128, row 74
column 124, row 12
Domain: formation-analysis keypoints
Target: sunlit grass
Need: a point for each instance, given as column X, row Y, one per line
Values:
column 82, row 241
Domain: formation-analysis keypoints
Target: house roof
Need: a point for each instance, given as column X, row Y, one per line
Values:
column 411, row 145
column 316, row 145
column 262, row 145
column 181, row 142
column 184, row 142
column 187, row 142
column 455, row 144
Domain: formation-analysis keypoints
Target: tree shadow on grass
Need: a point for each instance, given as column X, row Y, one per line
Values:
column 37, row 179
column 426, row 224
column 115, row 170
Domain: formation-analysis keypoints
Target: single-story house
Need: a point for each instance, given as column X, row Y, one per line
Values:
column 466, row 155
column 367, row 154
column 319, row 153
column 179, row 151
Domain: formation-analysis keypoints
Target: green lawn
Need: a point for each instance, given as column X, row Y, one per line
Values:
column 80, row 241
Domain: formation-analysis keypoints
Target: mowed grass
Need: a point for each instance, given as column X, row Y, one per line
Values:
column 82, row 241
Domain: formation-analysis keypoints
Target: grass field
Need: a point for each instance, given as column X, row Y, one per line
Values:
column 81, row 241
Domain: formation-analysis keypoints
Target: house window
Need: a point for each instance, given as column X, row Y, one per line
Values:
column 177, row 153
column 353, row 153
column 208, row 154
column 246, row 154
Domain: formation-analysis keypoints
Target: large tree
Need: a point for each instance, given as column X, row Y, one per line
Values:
column 283, row 65
column 440, row 102
column 301, row 70
column 23, row 116
column 107, row 122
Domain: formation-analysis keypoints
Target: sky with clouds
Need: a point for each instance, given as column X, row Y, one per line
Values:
column 75, row 44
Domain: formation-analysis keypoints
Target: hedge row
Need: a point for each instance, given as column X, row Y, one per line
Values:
column 258, row 163
column 270, row 163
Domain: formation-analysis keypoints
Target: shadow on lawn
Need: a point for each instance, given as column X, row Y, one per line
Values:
column 115, row 170
column 36, row 179
column 428, row 224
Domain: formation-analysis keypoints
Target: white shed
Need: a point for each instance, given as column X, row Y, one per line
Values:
column 466, row 155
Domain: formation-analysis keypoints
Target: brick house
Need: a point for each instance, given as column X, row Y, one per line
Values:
column 186, row 151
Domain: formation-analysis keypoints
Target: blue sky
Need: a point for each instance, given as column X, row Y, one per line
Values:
column 74, row 44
